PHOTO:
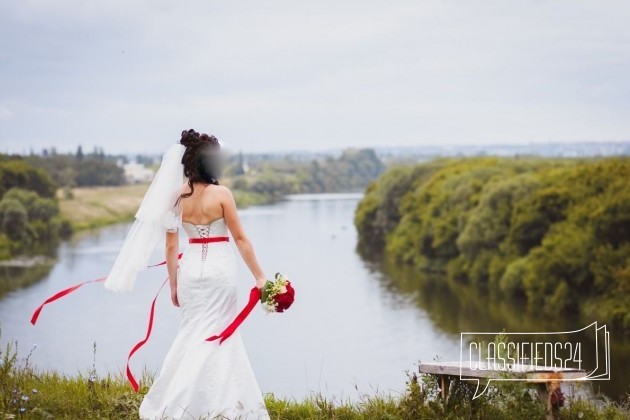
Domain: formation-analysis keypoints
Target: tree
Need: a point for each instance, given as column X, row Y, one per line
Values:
column 13, row 218
column 555, row 232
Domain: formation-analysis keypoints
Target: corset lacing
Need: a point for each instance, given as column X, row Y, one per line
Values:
column 204, row 232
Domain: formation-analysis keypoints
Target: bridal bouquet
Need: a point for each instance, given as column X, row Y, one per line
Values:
column 278, row 295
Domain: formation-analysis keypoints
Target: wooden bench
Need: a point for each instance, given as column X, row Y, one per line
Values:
column 546, row 379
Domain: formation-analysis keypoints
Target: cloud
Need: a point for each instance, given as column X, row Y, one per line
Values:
column 129, row 76
column 6, row 113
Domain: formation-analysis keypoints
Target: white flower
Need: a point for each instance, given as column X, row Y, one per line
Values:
column 269, row 307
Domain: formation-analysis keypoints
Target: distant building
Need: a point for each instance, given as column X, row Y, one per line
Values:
column 245, row 166
column 136, row 173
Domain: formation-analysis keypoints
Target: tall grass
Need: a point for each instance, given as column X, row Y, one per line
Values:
column 28, row 393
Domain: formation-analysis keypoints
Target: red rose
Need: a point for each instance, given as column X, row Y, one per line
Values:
column 285, row 299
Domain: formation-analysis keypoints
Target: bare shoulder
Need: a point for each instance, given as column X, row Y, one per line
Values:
column 219, row 192
column 223, row 190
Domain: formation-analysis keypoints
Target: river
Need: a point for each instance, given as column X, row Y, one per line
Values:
column 354, row 329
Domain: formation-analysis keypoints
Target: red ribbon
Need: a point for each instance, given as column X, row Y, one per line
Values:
column 254, row 297
column 135, row 348
column 142, row 342
column 208, row 239
column 60, row 294
column 71, row 289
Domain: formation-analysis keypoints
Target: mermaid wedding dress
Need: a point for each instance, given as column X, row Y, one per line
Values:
column 202, row 379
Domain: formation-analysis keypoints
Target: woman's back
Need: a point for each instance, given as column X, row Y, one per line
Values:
column 203, row 217
column 203, row 206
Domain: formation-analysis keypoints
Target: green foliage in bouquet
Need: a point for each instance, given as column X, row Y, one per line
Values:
column 267, row 288
column 270, row 289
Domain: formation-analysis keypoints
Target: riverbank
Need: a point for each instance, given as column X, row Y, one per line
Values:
column 93, row 207
column 553, row 233
column 26, row 392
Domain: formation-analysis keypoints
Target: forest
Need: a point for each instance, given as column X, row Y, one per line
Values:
column 351, row 171
column 30, row 221
column 554, row 233
column 80, row 169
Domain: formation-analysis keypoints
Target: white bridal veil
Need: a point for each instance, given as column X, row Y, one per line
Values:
column 155, row 216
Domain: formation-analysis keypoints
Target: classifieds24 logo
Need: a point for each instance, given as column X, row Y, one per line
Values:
column 582, row 354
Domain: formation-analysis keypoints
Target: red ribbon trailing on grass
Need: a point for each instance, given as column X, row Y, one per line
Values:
column 254, row 297
column 139, row 344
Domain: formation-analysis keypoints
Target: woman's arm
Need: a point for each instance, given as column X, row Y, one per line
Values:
column 241, row 240
column 172, row 250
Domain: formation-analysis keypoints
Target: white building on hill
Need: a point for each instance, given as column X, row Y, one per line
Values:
column 136, row 173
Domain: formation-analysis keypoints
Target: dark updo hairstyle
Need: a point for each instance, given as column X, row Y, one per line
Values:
column 200, row 159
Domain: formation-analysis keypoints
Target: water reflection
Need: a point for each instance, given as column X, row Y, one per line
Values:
column 456, row 308
column 16, row 277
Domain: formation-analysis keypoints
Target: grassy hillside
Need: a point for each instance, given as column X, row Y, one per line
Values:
column 88, row 207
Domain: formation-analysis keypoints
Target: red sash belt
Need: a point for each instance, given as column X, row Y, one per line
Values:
column 208, row 240
column 254, row 297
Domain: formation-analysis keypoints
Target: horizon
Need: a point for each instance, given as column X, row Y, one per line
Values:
column 332, row 150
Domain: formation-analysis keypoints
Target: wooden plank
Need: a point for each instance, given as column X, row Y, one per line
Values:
column 531, row 373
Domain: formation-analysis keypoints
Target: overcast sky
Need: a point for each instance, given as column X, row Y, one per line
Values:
column 264, row 75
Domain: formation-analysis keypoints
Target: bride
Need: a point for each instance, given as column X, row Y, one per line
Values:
column 198, row 379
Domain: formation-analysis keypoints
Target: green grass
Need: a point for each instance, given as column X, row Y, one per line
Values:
column 29, row 393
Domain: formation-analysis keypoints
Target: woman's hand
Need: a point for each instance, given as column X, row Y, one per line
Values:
column 174, row 296
column 260, row 282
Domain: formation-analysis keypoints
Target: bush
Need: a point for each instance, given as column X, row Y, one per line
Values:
column 14, row 219
column 28, row 219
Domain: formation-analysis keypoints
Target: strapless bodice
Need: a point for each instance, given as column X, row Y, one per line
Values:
column 214, row 228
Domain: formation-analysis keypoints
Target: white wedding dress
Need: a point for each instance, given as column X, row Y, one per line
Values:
column 201, row 379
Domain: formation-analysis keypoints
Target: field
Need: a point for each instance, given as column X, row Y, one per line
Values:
column 91, row 207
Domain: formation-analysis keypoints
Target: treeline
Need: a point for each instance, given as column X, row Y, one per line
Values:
column 80, row 169
column 353, row 170
column 554, row 232
column 29, row 213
